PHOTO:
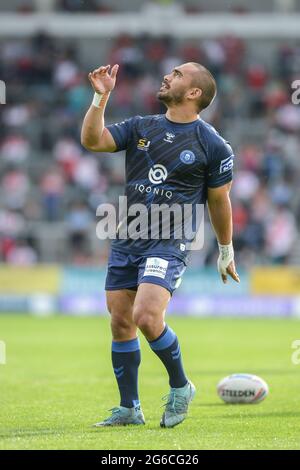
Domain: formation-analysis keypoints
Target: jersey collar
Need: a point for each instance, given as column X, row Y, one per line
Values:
column 179, row 126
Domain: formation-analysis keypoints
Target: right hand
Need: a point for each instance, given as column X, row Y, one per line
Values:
column 102, row 81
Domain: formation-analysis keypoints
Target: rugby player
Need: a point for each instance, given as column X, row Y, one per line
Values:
column 171, row 158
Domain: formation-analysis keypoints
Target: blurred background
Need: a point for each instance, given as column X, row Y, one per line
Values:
column 50, row 187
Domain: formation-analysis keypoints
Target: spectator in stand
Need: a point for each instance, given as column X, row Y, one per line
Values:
column 15, row 187
column 281, row 233
column 67, row 153
column 15, row 148
column 52, row 186
column 22, row 254
column 79, row 225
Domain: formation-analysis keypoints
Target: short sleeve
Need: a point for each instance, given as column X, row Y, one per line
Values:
column 220, row 164
column 121, row 133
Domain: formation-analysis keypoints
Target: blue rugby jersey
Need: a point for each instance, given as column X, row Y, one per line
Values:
column 168, row 163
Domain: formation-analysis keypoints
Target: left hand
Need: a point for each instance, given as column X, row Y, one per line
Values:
column 231, row 271
column 226, row 265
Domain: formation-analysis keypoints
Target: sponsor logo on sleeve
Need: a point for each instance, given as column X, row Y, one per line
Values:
column 226, row 164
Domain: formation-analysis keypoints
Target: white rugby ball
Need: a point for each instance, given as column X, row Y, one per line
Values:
column 242, row 388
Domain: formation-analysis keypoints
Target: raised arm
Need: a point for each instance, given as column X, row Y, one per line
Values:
column 94, row 136
column 220, row 213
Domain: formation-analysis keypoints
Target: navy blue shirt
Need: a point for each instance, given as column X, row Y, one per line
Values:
column 168, row 163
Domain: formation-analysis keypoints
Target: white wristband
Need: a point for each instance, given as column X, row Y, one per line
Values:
column 97, row 99
column 226, row 256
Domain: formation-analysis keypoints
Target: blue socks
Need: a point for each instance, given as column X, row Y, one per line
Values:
column 126, row 358
column 167, row 348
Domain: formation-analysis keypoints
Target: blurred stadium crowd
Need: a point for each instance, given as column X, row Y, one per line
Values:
column 113, row 6
column 50, row 186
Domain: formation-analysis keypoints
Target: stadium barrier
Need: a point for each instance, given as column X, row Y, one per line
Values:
column 275, row 280
column 45, row 290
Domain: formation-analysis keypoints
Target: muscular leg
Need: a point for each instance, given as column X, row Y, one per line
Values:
column 148, row 314
column 126, row 356
column 120, row 305
column 149, row 309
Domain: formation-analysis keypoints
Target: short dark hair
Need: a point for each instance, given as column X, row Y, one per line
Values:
column 206, row 82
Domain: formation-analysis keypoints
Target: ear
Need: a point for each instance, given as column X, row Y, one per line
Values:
column 194, row 93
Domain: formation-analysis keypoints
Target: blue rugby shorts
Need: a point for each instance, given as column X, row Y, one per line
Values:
column 128, row 271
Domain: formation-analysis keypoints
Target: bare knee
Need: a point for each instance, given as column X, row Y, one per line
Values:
column 144, row 321
column 148, row 321
column 122, row 325
column 122, row 328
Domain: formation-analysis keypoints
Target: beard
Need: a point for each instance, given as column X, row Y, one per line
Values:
column 169, row 97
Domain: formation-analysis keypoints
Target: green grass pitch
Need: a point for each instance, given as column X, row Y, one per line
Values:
column 58, row 381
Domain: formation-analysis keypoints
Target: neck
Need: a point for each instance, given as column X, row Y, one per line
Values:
column 181, row 115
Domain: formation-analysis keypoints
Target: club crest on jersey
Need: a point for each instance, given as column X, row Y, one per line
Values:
column 187, row 157
column 226, row 164
column 169, row 137
column 143, row 144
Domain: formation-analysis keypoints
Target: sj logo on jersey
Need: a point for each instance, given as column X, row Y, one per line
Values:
column 143, row 144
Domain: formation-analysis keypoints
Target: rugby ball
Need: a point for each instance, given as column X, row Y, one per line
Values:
column 242, row 388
